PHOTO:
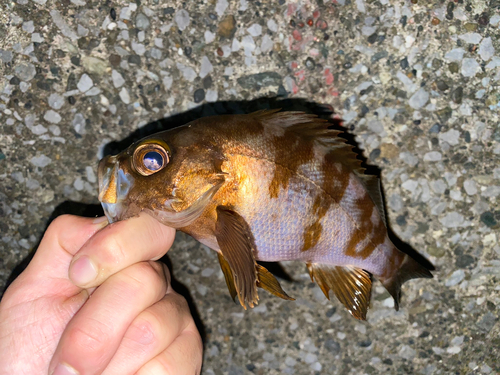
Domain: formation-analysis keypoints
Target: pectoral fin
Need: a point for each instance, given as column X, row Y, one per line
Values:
column 265, row 280
column 228, row 275
column 351, row 285
column 237, row 246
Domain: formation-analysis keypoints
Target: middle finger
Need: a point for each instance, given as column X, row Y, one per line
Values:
column 150, row 333
column 94, row 334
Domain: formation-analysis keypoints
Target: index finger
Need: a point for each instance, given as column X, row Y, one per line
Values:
column 118, row 246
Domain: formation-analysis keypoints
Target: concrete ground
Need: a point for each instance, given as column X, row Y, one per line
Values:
column 416, row 82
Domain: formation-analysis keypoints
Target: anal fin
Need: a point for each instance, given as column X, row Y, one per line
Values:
column 351, row 285
column 267, row 281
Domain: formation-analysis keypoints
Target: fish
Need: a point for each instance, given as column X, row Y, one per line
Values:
column 266, row 186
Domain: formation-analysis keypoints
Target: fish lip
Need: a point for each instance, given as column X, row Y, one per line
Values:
column 113, row 211
column 114, row 185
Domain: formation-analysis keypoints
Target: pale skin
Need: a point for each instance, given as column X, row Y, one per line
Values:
column 117, row 314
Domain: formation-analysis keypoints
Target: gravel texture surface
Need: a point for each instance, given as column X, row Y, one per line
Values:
column 417, row 84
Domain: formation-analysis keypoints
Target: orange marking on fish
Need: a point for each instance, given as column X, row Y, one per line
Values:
column 280, row 179
column 364, row 229
column 312, row 234
column 109, row 195
column 286, row 167
column 375, row 240
column 335, row 180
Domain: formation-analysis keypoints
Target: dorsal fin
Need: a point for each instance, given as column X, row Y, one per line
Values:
column 372, row 185
column 316, row 129
column 312, row 127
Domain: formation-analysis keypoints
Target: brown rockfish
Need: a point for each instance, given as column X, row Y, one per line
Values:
column 269, row 186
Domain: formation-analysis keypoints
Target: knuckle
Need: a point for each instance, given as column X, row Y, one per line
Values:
column 62, row 220
column 180, row 303
column 57, row 231
column 157, row 367
column 114, row 249
column 199, row 341
column 157, row 267
column 143, row 333
column 162, row 271
column 166, row 273
column 91, row 337
column 141, row 277
column 146, row 273
column 199, row 353
column 194, row 336
column 58, row 224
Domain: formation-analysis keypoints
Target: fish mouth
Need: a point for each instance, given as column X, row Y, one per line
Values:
column 114, row 185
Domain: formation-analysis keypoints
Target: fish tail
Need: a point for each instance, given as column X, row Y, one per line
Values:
column 410, row 268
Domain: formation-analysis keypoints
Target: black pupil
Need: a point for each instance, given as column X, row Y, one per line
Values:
column 153, row 161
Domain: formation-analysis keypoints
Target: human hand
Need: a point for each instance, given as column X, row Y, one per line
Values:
column 126, row 320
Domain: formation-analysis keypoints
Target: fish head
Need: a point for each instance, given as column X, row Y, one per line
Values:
column 172, row 181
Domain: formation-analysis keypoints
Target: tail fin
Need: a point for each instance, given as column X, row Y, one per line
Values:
column 409, row 269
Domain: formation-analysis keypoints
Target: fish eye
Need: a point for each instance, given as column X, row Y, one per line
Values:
column 150, row 158
column 153, row 161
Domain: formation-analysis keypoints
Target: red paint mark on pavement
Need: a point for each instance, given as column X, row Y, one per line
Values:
column 321, row 24
column 300, row 74
column 328, row 76
column 297, row 35
column 333, row 92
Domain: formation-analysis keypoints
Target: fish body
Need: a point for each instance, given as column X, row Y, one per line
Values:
column 269, row 186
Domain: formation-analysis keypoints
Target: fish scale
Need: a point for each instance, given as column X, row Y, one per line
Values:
column 265, row 186
column 282, row 239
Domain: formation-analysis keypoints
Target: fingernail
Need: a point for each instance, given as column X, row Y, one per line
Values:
column 63, row 369
column 100, row 221
column 83, row 271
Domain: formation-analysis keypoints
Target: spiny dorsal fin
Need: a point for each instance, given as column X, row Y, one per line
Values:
column 351, row 285
column 268, row 282
column 237, row 246
column 312, row 127
column 372, row 185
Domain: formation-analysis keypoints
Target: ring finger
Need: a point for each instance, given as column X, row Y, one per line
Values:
column 182, row 357
column 150, row 333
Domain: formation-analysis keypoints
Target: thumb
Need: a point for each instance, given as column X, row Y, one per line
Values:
column 63, row 238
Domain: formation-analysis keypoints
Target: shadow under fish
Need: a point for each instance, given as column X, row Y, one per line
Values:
column 268, row 186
